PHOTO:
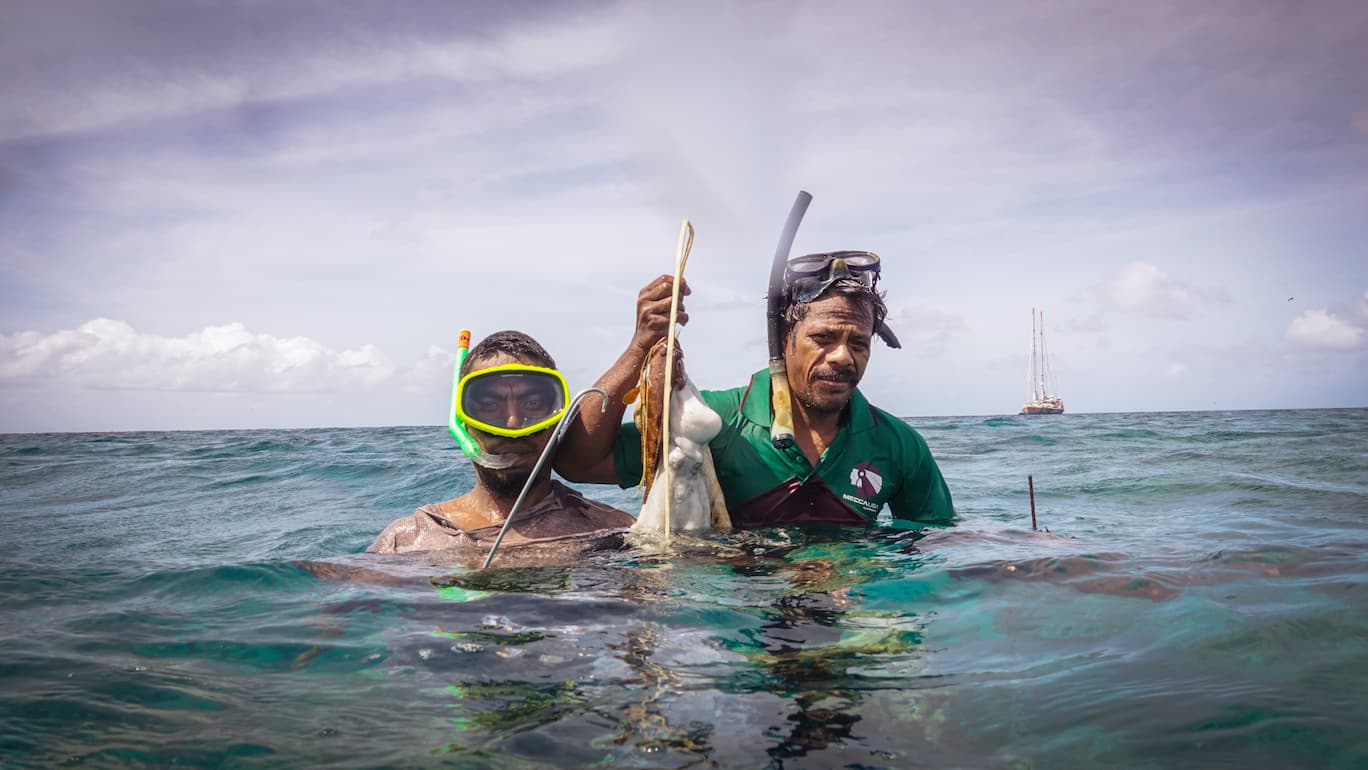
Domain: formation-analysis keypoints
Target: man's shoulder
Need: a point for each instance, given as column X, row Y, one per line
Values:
column 601, row 514
column 888, row 427
column 725, row 400
column 731, row 401
column 408, row 533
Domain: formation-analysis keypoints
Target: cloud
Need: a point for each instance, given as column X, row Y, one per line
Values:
column 104, row 353
column 191, row 61
column 1323, row 330
column 1143, row 288
column 929, row 331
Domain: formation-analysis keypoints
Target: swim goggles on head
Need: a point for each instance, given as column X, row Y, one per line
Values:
column 511, row 400
column 809, row 275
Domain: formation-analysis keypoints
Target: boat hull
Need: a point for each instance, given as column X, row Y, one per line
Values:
column 1031, row 409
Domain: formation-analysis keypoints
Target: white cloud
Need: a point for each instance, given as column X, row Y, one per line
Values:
column 1323, row 330
column 1143, row 288
column 927, row 330
column 158, row 87
column 104, row 353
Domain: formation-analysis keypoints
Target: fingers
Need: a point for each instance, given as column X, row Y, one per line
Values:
column 661, row 288
column 653, row 310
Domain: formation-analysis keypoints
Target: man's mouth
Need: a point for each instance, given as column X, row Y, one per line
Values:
column 834, row 379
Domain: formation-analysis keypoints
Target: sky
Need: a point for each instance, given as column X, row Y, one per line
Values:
column 280, row 214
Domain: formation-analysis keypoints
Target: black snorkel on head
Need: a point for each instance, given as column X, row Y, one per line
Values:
column 803, row 279
column 781, row 431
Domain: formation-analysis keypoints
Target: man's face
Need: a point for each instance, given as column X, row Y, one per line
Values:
column 525, row 450
column 827, row 352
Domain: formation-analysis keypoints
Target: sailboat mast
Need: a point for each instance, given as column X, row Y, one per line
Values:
column 1046, row 378
column 1031, row 362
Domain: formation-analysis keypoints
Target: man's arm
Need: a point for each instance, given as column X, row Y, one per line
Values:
column 586, row 451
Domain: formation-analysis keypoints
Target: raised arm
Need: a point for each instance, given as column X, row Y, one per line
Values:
column 586, row 451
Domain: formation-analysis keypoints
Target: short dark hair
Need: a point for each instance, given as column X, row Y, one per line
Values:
column 854, row 291
column 510, row 343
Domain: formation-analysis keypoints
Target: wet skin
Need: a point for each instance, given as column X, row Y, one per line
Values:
column 826, row 354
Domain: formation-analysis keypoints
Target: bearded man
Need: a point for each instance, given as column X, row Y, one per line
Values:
column 510, row 399
column 849, row 458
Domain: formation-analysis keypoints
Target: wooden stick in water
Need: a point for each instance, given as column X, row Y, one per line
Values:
column 686, row 236
column 1030, row 484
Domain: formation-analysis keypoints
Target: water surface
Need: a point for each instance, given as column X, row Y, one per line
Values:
column 200, row 599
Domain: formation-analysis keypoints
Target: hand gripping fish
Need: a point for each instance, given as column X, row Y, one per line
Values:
column 695, row 497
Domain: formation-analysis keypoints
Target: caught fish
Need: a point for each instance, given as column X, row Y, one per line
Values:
column 696, row 501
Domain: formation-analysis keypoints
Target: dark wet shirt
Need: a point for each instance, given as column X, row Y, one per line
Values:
column 563, row 516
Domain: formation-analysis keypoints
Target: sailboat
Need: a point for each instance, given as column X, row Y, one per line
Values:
column 1039, row 378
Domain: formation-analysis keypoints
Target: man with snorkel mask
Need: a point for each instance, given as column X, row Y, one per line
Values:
column 507, row 400
column 847, row 459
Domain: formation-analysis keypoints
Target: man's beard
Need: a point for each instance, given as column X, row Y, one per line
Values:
column 828, row 405
column 503, row 484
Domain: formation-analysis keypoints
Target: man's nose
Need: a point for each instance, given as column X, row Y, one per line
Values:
column 515, row 415
column 840, row 354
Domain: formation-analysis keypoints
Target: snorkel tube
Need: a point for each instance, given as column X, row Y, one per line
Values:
column 781, row 432
column 458, row 429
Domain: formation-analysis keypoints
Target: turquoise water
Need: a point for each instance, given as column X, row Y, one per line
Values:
column 200, row 599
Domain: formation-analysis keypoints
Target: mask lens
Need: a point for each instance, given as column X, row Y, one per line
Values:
column 860, row 261
column 512, row 402
column 810, row 265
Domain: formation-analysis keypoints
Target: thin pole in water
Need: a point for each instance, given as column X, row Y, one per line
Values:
column 1030, row 484
column 550, row 449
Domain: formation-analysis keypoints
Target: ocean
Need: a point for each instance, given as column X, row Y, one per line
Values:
column 1196, row 596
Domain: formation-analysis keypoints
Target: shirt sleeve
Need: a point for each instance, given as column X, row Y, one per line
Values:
column 627, row 455
column 923, row 495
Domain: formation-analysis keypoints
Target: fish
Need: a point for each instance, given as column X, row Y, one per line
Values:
column 696, row 500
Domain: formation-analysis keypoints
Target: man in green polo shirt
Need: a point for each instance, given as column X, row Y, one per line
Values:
column 850, row 459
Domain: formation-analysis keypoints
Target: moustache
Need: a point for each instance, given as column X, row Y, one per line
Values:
column 834, row 375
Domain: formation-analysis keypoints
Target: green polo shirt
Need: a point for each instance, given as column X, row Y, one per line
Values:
column 876, row 459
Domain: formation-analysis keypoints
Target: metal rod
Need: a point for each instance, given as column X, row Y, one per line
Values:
column 1030, row 483
column 570, row 412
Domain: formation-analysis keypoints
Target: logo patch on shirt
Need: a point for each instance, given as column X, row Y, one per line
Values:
column 866, row 480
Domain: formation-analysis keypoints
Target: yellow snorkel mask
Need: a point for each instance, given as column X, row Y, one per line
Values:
column 512, row 400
